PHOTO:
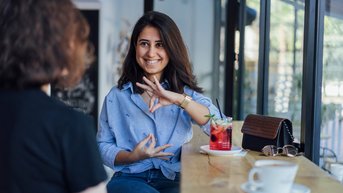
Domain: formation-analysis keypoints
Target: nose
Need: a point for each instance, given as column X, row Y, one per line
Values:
column 151, row 51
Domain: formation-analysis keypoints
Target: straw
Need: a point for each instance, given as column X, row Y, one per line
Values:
column 221, row 115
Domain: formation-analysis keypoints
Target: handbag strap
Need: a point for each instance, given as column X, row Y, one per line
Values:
column 290, row 134
column 281, row 139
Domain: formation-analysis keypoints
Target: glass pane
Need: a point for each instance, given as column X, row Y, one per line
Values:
column 285, row 61
column 332, row 83
column 195, row 21
column 251, row 45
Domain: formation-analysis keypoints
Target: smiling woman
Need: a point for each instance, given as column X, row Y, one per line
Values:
column 148, row 116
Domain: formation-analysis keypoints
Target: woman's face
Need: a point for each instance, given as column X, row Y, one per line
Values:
column 150, row 52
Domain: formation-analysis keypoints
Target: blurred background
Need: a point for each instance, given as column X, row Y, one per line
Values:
column 274, row 57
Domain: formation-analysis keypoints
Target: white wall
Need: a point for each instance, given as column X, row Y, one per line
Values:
column 117, row 19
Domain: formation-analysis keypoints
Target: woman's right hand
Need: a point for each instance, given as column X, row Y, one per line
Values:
column 143, row 150
column 146, row 149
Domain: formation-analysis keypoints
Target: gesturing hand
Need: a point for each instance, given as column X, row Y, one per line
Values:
column 143, row 150
column 156, row 91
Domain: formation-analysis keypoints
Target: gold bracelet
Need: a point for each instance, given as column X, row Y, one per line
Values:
column 185, row 101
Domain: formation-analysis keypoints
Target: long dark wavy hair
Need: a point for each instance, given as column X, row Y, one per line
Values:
column 178, row 71
column 39, row 39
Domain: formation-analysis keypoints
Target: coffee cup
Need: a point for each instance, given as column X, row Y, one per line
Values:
column 272, row 176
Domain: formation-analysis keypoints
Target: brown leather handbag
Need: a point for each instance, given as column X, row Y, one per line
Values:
column 260, row 130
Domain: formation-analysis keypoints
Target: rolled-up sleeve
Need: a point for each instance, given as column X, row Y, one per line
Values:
column 201, row 99
column 106, row 141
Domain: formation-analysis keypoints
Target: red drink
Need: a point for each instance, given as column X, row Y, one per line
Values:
column 221, row 135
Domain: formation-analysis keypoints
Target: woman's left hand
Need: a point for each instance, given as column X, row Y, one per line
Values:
column 156, row 91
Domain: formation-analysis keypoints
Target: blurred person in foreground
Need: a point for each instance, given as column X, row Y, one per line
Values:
column 45, row 146
column 148, row 116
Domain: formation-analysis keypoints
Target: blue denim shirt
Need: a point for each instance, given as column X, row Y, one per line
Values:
column 125, row 120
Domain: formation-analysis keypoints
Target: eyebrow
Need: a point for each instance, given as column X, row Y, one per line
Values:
column 145, row 40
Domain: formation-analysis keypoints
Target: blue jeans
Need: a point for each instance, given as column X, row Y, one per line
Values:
column 150, row 181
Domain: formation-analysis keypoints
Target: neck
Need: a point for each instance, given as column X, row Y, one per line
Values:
column 151, row 77
column 46, row 88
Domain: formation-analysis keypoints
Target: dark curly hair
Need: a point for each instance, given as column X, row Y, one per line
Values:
column 41, row 39
column 178, row 71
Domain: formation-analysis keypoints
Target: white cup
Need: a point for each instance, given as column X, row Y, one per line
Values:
column 336, row 170
column 271, row 176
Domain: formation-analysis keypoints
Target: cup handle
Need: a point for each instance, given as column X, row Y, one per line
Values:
column 252, row 181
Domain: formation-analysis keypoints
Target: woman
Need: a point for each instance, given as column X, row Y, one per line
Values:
column 148, row 116
column 45, row 146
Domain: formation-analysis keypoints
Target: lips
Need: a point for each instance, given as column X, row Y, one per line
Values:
column 151, row 62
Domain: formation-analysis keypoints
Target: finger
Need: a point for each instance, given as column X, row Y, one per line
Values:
column 149, row 93
column 164, row 155
column 161, row 148
column 157, row 83
column 149, row 82
column 155, row 107
column 144, row 141
column 152, row 102
column 163, row 158
column 153, row 142
column 144, row 87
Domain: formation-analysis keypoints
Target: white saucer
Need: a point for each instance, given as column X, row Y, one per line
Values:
column 296, row 188
column 234, row 149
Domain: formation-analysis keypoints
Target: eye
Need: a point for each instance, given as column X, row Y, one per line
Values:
column 159, row 45
column 144, row 43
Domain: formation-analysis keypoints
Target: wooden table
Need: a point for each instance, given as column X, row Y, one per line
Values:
column 210, row 174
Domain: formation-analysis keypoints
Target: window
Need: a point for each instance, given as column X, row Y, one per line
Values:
column 332, row 83
column 285, row 61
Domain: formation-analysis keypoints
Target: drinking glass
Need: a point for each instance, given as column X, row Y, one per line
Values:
column 221, row 134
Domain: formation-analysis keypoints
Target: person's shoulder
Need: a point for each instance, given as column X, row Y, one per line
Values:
column 75, row 120
column 42, row 103
column 115, row 90
column 60, row 117
column 58, row 106
column 60, row 109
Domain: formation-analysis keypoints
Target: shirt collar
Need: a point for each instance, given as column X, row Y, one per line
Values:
column 128, row 85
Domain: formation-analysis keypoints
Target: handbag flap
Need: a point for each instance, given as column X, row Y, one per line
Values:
column 261, row 126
